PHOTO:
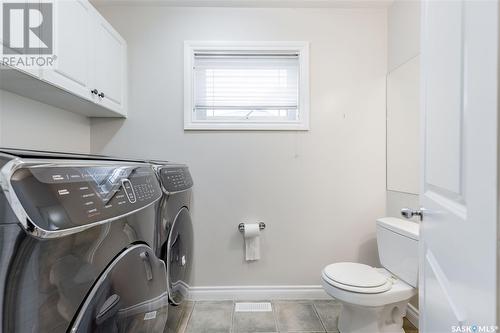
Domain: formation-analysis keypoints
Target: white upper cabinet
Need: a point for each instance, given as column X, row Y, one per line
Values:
column 89, row 75
column 72, row 42
column 109, row 65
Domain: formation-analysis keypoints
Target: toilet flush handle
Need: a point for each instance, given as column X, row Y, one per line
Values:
column 408, row 213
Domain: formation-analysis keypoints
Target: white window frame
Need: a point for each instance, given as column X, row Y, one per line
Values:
column 191, row 47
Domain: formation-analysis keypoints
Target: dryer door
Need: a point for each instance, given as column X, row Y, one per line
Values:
column 129, row 296
column 179, row 254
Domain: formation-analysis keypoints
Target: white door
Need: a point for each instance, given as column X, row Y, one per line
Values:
column 72, row 19
column 109, row 65
column 458, row 268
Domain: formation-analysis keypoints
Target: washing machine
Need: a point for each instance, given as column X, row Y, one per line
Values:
column 78, row 245
column 175, row 236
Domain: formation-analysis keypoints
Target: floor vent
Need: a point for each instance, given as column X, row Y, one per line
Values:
column 253, row 307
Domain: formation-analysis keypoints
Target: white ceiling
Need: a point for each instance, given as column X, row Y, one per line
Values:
column 250, row 3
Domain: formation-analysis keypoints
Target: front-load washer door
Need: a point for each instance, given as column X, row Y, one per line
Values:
column 179, row 255
column 129, row 296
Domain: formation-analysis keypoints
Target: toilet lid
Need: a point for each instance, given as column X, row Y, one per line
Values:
column 356, row 277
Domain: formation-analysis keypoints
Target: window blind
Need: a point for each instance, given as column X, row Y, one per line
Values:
column 246, row 86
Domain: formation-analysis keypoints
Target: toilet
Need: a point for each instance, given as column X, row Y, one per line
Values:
column 375, row 299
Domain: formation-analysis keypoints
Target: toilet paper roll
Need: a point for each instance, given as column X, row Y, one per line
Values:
column 252, row 241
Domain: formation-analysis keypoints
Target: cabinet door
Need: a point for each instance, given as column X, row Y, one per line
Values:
column 109, row 66
column 72, row 21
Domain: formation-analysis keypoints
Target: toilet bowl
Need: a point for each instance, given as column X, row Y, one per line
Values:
column 375, row 299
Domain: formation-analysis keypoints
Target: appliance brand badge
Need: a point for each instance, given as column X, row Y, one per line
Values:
column 150, row 315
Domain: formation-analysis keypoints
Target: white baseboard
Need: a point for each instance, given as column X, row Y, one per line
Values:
column 257, row 292
column 412, row 315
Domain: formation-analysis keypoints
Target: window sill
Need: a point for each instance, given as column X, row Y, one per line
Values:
column 245, row 127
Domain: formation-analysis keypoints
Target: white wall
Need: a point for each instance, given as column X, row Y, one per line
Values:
column 403, row 32
column 403, row 127
column 403, row 45
column 25, row 123
column 319, row 192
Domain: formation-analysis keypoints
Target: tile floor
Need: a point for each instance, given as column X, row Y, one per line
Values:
column 287, row 316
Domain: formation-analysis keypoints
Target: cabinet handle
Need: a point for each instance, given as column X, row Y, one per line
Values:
column 101, row 95
column 94, row 91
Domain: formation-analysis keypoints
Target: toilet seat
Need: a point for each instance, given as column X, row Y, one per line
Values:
column 398, row 292
column 364, row 310
column 356, row 277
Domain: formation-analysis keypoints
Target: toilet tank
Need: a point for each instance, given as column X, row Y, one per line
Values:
column 397, row 242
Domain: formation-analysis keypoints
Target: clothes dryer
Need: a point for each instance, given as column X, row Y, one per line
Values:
column 78, row 251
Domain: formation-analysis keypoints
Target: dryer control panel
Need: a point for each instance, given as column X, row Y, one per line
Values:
column 175, row 178
column 62, row 197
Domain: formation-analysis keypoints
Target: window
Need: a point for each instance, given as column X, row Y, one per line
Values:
column 246, row 86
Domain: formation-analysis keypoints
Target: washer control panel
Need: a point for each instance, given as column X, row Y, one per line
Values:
column 175, row 178
column 61, row 197
column 129, row 190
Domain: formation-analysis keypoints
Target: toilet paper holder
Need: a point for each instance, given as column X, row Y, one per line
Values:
column 241, row 226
